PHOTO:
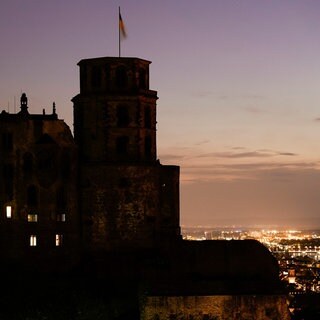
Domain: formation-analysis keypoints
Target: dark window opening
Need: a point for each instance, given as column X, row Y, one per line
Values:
column 124, row 183
column 65, row 166
column 122, row 116
column 147, row 146
column 96, row 77
column 61, row 199
column 142, row 79
column 83, row 77
column 122, row 145
column 7, row 141
column 8, row 172
column 45, row 138
column 8, row 176
column 45, row 160
column 32, row 196
column 27, row 163
column 121, row 77
column 107, row 73
column 147, row 118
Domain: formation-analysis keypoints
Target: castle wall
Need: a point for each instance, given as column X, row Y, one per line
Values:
column 128, row 206
column 225, row 307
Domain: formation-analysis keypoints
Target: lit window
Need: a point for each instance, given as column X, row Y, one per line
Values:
column 8, row 212
column 61, row 217
column 33, row 241
column 32, row 217
column 59, row 240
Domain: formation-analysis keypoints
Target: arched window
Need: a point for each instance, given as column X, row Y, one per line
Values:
column 142, row 79
column 121, row 77
column 147, row 118
column 32, row 196
column 122, row 116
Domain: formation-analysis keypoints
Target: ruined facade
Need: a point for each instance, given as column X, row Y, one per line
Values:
column 39, row 224
column 102, row 204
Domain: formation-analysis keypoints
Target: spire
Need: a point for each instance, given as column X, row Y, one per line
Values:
column 24, row 104
column 54, row 108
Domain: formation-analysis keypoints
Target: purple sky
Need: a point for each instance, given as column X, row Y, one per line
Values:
column 238, row 85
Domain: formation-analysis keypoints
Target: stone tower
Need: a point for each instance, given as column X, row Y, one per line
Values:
column 128, row 200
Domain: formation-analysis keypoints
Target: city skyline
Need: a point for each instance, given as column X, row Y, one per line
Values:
column 237, row 82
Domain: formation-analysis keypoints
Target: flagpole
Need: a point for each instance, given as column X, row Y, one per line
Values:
column 119, row 32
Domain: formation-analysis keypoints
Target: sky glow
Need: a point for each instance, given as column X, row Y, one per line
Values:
column 238, row 86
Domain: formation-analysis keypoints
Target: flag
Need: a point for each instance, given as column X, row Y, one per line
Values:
column 122, row 27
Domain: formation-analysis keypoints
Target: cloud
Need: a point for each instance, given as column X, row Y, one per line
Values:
column 283, row 171
column 171, row 157
column 255, row 110
column 317, row 119
column 249, row 154
column 201, row 142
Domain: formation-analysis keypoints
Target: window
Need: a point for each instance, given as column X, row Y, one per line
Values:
column 122, row 116
column 147, row 146
column 65, row 165
column 107, row 72
column 7, row 141
column 142, row 79
column 8, row 176
column 27, row 162
column 32, row 196
column 33, row 240
column 8, row 212
column 122, row 145
column 147, row 118
column 32, row 217
column 96, row 77
column 83, row 77
column 121, row 77
column 61, row 198
column 61, row 217
column 59, row 240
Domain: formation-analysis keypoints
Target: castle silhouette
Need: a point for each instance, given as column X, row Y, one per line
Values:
column 99, row 205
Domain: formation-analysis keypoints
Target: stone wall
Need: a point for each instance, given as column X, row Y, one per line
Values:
column 129, row 206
